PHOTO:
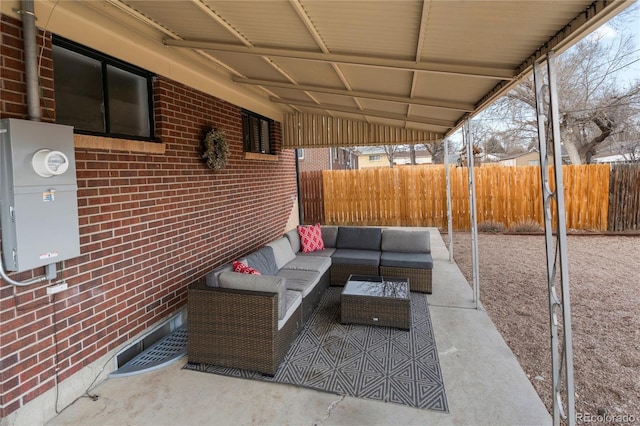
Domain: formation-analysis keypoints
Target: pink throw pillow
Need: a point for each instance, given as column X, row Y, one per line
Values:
column 310, row 238
column 244, row 269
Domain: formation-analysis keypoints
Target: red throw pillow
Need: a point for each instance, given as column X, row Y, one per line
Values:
column 244, row 269
column 310, row 238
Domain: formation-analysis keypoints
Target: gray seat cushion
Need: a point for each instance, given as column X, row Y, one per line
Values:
column 263, row 260
column 299, row 280
column 327, row 252
column 407, row 260
column 293, row 300
column 359, row 238
column 406, row 241
column 310, row 263
column 356, row 257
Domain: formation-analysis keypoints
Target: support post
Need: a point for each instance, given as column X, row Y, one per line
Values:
column 557, row 257
column 466, row 131
column 448, row 190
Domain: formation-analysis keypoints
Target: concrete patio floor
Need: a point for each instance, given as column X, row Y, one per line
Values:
column 484, row 383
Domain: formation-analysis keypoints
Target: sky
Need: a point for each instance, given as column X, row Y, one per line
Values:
column 627, row 23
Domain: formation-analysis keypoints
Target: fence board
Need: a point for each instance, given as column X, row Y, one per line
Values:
column 416, row 196
column 311, row 194
column 624, row 198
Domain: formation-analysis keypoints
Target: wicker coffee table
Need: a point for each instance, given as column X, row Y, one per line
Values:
column 370, row 300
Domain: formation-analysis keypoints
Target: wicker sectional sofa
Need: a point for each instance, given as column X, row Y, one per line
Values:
column 250, row 321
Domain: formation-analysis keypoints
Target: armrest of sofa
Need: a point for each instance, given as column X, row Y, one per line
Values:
column 258, row 283
column 237, row 328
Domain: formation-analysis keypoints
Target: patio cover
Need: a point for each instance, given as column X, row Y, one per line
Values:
column 372, row 72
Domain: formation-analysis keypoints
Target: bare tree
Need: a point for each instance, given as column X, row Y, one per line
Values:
column 391, row 150
column 594, row 106
column 436, row 150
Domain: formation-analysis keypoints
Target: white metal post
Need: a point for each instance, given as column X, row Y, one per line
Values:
column 472, row 213
column 448, row 186
column 557, row 256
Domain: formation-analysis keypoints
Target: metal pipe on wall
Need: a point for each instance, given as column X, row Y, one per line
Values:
column 30, row 32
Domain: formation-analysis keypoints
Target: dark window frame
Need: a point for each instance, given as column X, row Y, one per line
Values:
column 253, row 143
column 106, row 60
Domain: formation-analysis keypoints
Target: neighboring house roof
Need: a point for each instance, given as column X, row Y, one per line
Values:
column 373, row 150
column 617, row 152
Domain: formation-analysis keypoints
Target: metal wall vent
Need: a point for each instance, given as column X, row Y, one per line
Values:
column 160, row 347
column 166, row 351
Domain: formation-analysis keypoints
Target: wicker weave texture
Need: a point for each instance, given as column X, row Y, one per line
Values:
column 380, row 311
column 340, row 273
column 235, row 328
column 419, row 279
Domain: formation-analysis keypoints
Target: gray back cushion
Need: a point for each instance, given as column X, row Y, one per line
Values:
column 406, row 241
column 294, row 240
column 359, row 238
column 329, row 235
column 263, row 260
column 282, row 252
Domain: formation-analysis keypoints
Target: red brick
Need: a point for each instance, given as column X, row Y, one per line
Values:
column 150, row 226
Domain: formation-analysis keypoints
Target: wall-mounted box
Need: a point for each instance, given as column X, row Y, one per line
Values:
column 38, row 194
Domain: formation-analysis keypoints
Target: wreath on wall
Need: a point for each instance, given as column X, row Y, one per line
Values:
column 216, row 149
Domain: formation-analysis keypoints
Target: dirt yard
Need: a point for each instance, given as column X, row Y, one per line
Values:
column 604, row 276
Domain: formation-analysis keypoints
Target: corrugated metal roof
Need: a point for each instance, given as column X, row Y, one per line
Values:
column 409, row 64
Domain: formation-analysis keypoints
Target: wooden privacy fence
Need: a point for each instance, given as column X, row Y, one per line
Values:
column 416, row 196
column 624, row 197
column 311, row 197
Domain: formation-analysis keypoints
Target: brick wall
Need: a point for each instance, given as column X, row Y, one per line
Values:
column 13, row 95
column 315, row 159
column 149, row 226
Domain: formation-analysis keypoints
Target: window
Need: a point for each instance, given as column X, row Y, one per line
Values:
column 374, row 157
column 100, row 95
column 300, row 152
column 256, row 133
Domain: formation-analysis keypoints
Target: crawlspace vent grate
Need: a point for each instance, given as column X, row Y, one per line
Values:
column 163, row 353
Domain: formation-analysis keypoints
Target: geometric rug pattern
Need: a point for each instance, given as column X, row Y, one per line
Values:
column 380, row 363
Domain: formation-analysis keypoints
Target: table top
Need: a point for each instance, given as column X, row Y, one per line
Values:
column 387, row 287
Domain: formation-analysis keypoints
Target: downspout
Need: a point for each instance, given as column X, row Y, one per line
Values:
column 299, row 193
column 29, row 32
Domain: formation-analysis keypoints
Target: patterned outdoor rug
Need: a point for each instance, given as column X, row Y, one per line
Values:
column 380, row 363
